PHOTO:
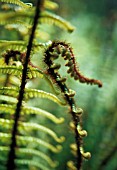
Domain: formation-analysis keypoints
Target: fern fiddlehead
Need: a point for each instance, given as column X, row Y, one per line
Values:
column 63, row 49
column 51, row 53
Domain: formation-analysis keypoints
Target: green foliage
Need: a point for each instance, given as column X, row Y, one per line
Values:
column 26, row 134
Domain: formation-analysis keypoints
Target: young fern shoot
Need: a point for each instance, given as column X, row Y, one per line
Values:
column 16, row 64
column 62, row 49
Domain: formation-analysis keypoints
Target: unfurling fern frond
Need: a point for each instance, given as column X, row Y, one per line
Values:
column 23, row 141
column 60, row 48
column 53, row 51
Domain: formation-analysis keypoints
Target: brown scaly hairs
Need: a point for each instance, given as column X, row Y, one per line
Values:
column 54, row 51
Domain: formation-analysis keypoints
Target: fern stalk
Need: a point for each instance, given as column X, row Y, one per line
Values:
column 12, row 155
column 69, row 98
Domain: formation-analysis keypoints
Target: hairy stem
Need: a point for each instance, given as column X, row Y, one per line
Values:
column 11, row 157
column 52, row 71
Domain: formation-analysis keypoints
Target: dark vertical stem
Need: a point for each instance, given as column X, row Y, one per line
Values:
column 11, row 157
column 65, row 90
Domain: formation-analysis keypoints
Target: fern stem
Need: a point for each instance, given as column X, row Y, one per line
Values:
column 70, row 100
column 11, row 158
column 76, row 121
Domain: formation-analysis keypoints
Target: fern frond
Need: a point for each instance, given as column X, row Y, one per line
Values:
column 6, row 123
column 23, row 140
column 17, row 71
column 9, row 18
column 50, row 56
column 34, row 73
column 38, row 111
column 49, row 18
column 9, row 109
column 10, row 91
column 44, row 129
column 31, row 163
column 53, row 164
column 19, row 45
column 57, row 48
column 50, row 5
column 18, row 138
column 45, row 17
column 17, row 2
column 23, row 162
column 8, row 99
column 28, row 151
column 14, row 70
column 30, row 93
column 12, row 45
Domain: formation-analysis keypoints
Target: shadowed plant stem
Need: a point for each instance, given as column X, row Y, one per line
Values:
column 11, row 157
